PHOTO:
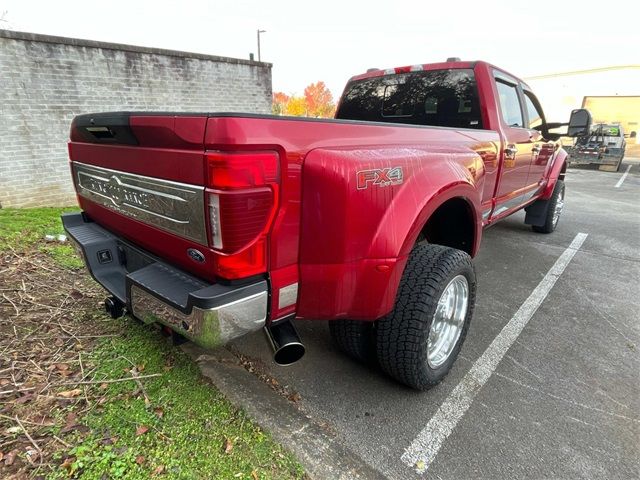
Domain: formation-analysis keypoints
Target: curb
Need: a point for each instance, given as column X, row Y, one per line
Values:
column 320, row 453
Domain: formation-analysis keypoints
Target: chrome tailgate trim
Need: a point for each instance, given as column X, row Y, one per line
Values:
column 171, row 206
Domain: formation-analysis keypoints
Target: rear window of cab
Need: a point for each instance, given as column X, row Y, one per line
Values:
column 444, row 98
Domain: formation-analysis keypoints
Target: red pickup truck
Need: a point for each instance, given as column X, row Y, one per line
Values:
column 214, row 225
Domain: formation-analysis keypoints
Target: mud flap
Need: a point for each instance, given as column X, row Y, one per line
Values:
column 537, row 213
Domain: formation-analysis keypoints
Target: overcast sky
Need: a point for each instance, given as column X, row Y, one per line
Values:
column 333, row 40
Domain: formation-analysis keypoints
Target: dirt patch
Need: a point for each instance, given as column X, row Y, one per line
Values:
column 48, row 319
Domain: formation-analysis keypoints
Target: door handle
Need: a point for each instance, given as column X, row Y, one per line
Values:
column 536, row 149
column 510, row 151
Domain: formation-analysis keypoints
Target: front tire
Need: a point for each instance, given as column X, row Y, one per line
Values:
column 554, row 210
column 418, row 342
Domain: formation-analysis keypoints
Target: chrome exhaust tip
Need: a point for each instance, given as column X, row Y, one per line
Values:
column 285, row 342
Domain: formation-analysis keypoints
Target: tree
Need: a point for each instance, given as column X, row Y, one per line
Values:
column 316, row 102
column 297, row 107
column 319, row 100
column 279, row 104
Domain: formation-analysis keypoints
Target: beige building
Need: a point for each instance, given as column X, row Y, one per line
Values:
column 612, row 94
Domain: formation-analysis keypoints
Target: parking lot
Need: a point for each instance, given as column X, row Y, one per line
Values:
column 558, row 399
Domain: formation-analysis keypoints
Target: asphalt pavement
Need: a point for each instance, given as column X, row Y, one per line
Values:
column 558, row 393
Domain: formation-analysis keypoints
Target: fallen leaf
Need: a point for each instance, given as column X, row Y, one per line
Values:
column 25, row 398
column 11, row 457
column 62, row 366
column 68, row 463
column 294, row 397
column 103, row 386
column 58, row 342
column 139, row 459
column 420, row 465
column 32, row 456
column 228, row 446
column 159, row 411
column 12, row 430
column 158, row 470
column 237, row 475
column 70, row 422
column 71, row 418
column 76, row 294
column 4, row 381
column 1, row 456
column 141, row 430
column 140, row 367
column 70, row 393
column 254, row 475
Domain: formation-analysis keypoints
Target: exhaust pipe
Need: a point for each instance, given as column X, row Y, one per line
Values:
column 286, row 344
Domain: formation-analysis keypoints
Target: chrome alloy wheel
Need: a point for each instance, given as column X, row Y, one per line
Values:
column 558, row 208
column 448, row 321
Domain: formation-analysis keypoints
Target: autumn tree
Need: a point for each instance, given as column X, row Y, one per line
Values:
column 279, row 105
column 297, row 107
column 316, row 102
column 319, row 100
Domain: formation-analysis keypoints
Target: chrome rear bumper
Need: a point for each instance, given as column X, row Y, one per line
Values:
column 155, row 292
column 209, row 327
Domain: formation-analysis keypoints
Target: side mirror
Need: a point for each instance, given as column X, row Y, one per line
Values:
column 579, row 123
column 633, row 135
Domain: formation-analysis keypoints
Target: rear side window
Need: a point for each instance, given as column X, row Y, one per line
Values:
column 510, row 104
column 445, row 98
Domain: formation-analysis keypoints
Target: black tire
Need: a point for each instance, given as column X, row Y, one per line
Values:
column 401, row 336
column 355, row 338
column 550, row 223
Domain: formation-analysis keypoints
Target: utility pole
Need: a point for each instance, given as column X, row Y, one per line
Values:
column 259, row 32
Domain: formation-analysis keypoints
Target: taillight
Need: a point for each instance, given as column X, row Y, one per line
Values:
column 242, row 201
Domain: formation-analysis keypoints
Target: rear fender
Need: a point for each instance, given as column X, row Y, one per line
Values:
column 357, row 233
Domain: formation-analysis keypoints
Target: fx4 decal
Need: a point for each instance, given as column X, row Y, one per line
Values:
column 382, row 177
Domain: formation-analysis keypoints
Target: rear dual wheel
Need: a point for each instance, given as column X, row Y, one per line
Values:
column 419, row 340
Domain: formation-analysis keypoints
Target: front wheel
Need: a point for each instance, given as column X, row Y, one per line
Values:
column 418, row 342
column 554, row 210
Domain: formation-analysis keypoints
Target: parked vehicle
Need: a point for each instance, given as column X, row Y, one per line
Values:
column 604, row 145
column 218, row 224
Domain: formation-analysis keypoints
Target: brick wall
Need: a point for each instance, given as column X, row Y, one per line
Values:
column 45, row 81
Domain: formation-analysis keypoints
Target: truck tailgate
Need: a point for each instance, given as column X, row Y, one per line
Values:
column 142, row 176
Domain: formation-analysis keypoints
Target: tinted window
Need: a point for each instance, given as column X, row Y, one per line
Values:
column 510, row 104
column 535, row 115
column 447, row 98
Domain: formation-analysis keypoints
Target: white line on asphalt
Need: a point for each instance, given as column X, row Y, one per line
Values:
column 623, row 177
column 424, row 448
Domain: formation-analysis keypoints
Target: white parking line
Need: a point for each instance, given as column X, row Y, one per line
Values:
column 424, row 448
column 623, row 177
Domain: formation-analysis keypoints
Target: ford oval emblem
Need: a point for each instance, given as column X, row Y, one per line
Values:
column 196, row 255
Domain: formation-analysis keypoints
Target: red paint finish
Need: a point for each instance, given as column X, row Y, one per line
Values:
column 350, row 198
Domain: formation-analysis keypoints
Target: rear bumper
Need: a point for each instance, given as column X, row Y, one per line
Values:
column 611, row 158
column 155, row 292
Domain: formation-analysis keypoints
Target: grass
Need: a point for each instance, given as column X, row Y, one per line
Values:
column 175, row 426
column 190, row 430
column 25, row 228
